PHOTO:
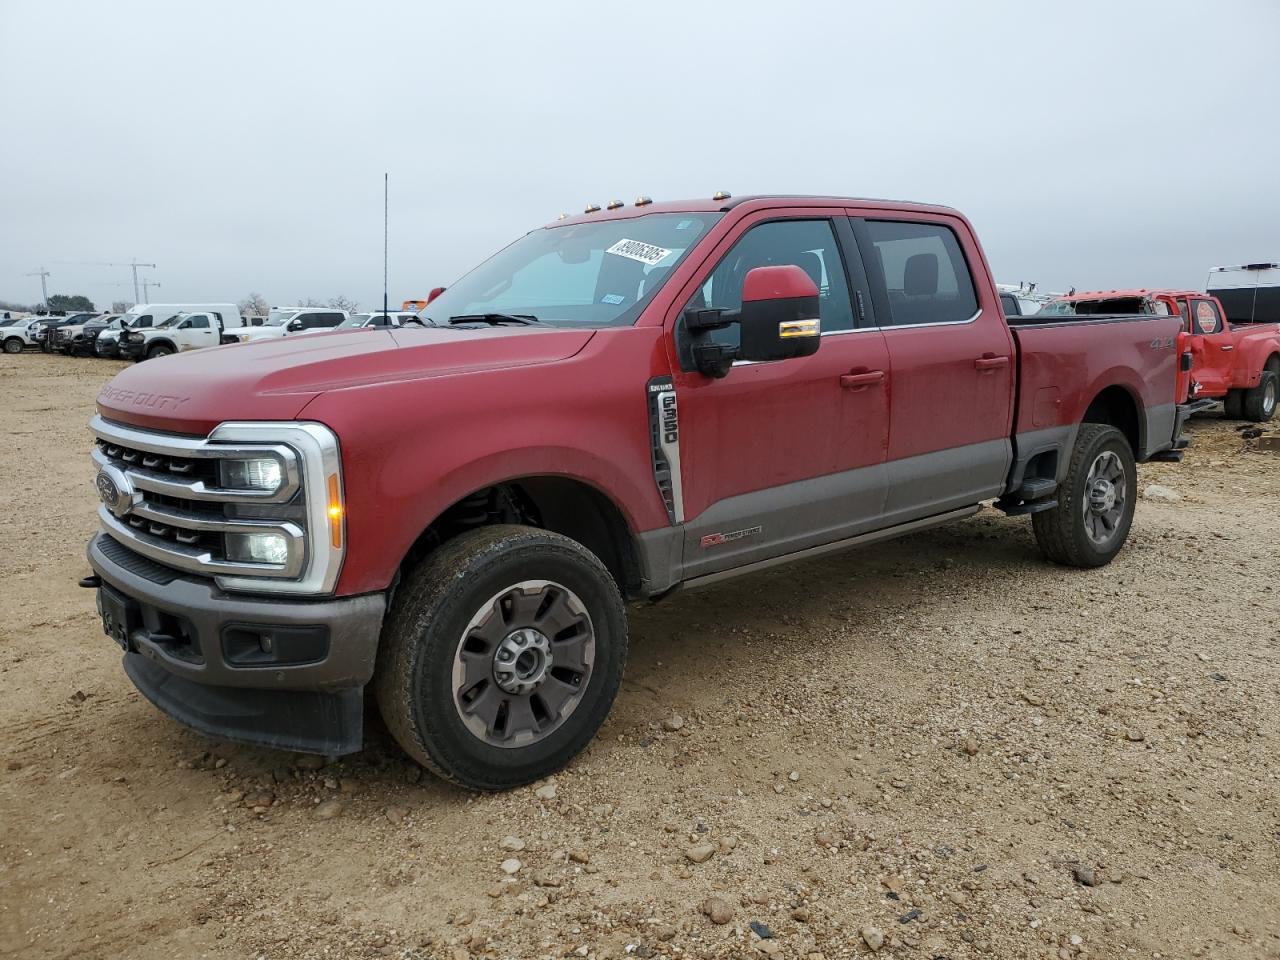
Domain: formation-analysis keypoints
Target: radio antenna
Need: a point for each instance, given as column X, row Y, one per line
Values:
column 384, row 246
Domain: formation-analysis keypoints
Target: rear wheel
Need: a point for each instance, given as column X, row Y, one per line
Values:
column 501, row 656
column 13, row 345
column 1260, row 402
column 1233, row 405
column 1095, row 502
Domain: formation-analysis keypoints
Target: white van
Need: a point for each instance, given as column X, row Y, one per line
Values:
column 159, row 329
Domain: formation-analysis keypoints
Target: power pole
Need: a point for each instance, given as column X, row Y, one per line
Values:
column 135, row 264
column 44, row 288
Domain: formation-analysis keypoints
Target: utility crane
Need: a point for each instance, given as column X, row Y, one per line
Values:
column 42, row 273
column 133, row 264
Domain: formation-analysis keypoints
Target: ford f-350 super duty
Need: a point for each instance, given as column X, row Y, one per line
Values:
column 450, row 518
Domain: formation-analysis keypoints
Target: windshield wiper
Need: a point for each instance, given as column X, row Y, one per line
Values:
column 495, row 318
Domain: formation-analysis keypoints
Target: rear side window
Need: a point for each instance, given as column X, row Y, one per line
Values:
column 923, row 270
column 1207, row 318
column 328, row 319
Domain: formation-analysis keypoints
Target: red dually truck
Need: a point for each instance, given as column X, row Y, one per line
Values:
column 617, row 405
column 1237, row 363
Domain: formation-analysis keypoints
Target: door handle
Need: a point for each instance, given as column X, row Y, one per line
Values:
column 860, row 381
column 990, row 363
column 1228, row 347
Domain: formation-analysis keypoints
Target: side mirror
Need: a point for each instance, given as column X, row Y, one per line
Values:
column 435, row 292
column 779, row 320
column 294, row 325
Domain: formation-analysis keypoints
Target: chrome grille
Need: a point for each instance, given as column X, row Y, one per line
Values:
column 163, row 499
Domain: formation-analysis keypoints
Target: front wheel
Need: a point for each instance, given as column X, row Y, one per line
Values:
column 13, row 345
column 501, row 656
column 159, row 350
column 1095, row 502
column 1260, row 402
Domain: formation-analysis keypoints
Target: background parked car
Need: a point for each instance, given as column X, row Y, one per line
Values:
column 398, row 318
column 287, row 321
column 44, row 332
column 82, row 344
column 17, row 335
column 202, row 326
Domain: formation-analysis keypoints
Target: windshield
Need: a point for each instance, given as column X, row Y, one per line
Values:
column 278, row 318
column 588, row 274
column 355, row 320
column 170, row 321
column 7, row 323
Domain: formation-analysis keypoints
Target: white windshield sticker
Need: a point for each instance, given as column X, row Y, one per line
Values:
column 635, row 250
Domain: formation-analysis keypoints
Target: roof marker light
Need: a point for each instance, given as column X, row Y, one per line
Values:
column 615, row 204
column 563, row 216
column 722, row 195
column 592, row 208
column 643, row 201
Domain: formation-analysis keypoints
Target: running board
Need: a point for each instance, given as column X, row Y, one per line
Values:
column 1030, row 506
column 1166, row 456
column 862, row 539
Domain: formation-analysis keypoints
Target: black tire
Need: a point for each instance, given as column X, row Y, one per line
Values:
column 13, row 345
column 159, row 350
column 1259, row 404
column 1233, row 405
column 432, row 620
column 1064, row 533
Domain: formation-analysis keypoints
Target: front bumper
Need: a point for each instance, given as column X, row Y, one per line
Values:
column 288, row 674
column 106, row 348
column 130, row 351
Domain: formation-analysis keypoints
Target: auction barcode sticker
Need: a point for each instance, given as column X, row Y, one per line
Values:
column 635, row 250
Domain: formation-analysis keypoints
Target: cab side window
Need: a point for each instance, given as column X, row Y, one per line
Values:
column 922, row 267
column 199, row 323
column 808, row 244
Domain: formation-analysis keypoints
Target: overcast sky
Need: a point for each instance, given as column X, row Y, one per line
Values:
column 240, row 146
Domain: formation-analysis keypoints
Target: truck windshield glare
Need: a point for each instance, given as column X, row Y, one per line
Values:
column 586, row 274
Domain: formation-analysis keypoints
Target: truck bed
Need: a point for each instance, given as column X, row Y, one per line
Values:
column 1067, row 365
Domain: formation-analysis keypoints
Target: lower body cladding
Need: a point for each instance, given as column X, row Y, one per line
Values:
column 289, row 675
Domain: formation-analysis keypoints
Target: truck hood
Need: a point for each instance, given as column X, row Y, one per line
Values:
column 275, row 379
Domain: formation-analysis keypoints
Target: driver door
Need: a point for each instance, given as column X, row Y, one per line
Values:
column 781, row 456
column 197, row 331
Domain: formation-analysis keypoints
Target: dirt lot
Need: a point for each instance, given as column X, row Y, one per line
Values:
column 941, row 747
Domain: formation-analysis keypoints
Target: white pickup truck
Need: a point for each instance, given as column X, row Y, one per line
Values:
column 17, row 335
column 180, row 332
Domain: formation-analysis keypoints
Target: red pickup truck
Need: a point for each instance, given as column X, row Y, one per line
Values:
column 614, row 406
column 1236, row 363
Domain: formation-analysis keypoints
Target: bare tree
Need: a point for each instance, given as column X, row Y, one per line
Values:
column 342, row 303
column 254, row 305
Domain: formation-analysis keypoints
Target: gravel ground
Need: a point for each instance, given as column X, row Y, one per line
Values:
column 939, row 747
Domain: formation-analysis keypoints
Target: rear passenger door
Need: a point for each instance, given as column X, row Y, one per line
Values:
column 1212, row 348
column 951, row 364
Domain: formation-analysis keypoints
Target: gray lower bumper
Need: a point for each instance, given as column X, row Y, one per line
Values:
column 191, row 650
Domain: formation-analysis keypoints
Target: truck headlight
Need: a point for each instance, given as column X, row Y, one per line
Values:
column 257, row 548
column 264, row 474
